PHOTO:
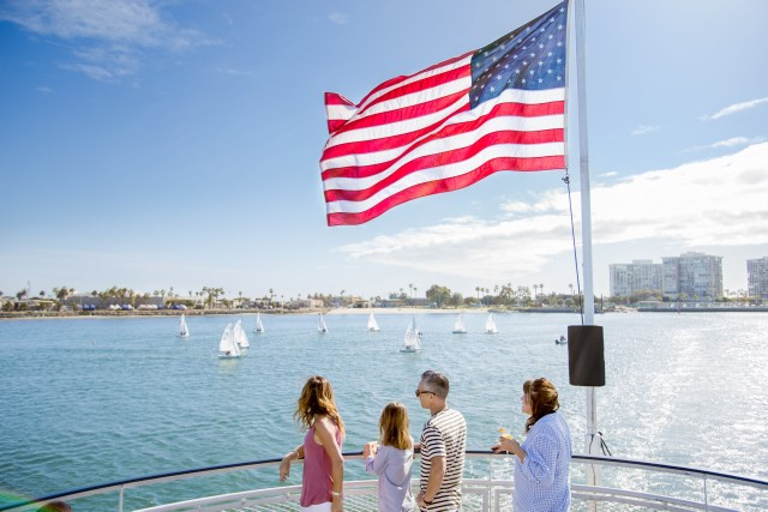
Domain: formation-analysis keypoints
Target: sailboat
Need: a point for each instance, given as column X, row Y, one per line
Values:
column 412, row 338
column 183, row 329
column 490, row 325
column 240, row 337
column 321, row 327
column 373, row 326
column 459, row 327
column 228, row 348
column 259, row 326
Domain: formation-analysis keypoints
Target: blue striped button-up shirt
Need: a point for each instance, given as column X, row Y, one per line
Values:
column 542, row 481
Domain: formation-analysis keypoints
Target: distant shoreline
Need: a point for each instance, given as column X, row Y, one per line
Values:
column 37, row 315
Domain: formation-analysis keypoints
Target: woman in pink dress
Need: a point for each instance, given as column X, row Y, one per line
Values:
column 323, row 477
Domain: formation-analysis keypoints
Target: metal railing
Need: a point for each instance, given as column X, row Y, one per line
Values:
column 487, row 486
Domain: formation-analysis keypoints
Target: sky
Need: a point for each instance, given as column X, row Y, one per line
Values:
column 152, row 144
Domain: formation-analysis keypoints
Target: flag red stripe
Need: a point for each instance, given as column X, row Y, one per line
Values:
column 353, row 148
column 403, row 78
column 455, row 156
column 441, row 186
column 425, row 84
column 332, row 98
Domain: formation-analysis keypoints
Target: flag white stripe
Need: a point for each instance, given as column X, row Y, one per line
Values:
column 466, row 61
column 455, row 142
column 447, row 171
column 414, row 124
column 397, row 127
column 340, row 112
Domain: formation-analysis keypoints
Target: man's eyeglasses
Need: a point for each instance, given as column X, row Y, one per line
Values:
column 420, row 392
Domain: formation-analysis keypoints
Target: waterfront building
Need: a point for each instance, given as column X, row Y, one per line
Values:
column 626, row 279
column 757, row 277
column 692, row 276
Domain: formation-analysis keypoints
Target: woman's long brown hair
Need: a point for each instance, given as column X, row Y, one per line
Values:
column 542, row 397
column 317, row 399
column 393, row 427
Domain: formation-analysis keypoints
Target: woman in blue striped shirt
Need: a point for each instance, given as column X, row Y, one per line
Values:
column 542, row 479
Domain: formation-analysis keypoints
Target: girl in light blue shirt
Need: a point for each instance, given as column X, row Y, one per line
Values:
column 393, row 460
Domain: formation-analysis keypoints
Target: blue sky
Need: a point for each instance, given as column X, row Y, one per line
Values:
column 151, row 144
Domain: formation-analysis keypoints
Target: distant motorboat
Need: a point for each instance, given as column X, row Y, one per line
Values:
column 241, row 339
column 490, row 325
column 412, row 338
column 228, row 348
column 373, row 326
column 561, row 341
column 321, row 327
column 259, row 326
column 459, row 327
column 183, row 329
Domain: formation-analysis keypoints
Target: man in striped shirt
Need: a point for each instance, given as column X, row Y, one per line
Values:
column 443, row 443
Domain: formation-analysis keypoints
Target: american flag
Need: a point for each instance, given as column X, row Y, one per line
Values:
column 500, row 108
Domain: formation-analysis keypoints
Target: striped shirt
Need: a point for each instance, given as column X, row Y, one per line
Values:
column 542, row 481
column 444, row 435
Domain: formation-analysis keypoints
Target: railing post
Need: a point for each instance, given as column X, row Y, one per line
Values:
column 706, row 493
column 120, row 502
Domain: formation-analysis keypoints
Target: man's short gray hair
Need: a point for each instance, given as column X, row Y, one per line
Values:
column 436, row 382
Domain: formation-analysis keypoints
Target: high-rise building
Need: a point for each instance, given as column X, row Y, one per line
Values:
column 692, row 276
column 626, row 279
column 757, row 277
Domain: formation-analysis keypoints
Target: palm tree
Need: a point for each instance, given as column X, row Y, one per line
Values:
column 571, row 287
column 541, row 289
column 410, row 287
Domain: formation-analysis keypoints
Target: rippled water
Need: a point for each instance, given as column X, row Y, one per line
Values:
column 94, row 400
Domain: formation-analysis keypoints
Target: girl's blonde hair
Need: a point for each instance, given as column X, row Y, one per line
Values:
column 317, row 399
column 393, row 427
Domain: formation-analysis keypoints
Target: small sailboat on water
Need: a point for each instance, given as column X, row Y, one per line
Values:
column 321, row 327
column 240, row 337
column 490, row 325
column 183, row 329
column 228, row 348
column 459, row 327
column 259, row 326
column 373, row 326
column 412, row 338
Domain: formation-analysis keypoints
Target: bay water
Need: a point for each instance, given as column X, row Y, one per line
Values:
column 85, row 401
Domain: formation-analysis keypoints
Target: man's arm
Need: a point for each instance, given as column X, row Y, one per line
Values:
column 436, row 474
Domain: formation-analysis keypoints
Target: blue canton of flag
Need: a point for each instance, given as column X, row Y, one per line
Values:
column 531, row 57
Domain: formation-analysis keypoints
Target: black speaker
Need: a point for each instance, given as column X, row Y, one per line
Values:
column 586, row 358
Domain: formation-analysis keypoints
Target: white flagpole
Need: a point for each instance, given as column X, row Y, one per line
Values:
column 591, row 447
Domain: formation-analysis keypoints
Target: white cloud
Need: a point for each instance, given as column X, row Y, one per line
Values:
column 110, row 33
column 339, row 18
column 727, row 143
column 643, row 129
column 736, row 107
column 43, row 89
column 610, row 174
column 717, row 202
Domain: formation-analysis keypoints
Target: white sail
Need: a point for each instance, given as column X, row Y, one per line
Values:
column 412, row 338
column 183, row 329
column 372, row 325
column 240, row 337
column 459, row 327
column 227, row 345
column 321, row 327
column 259, row 325
column 490, row 325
